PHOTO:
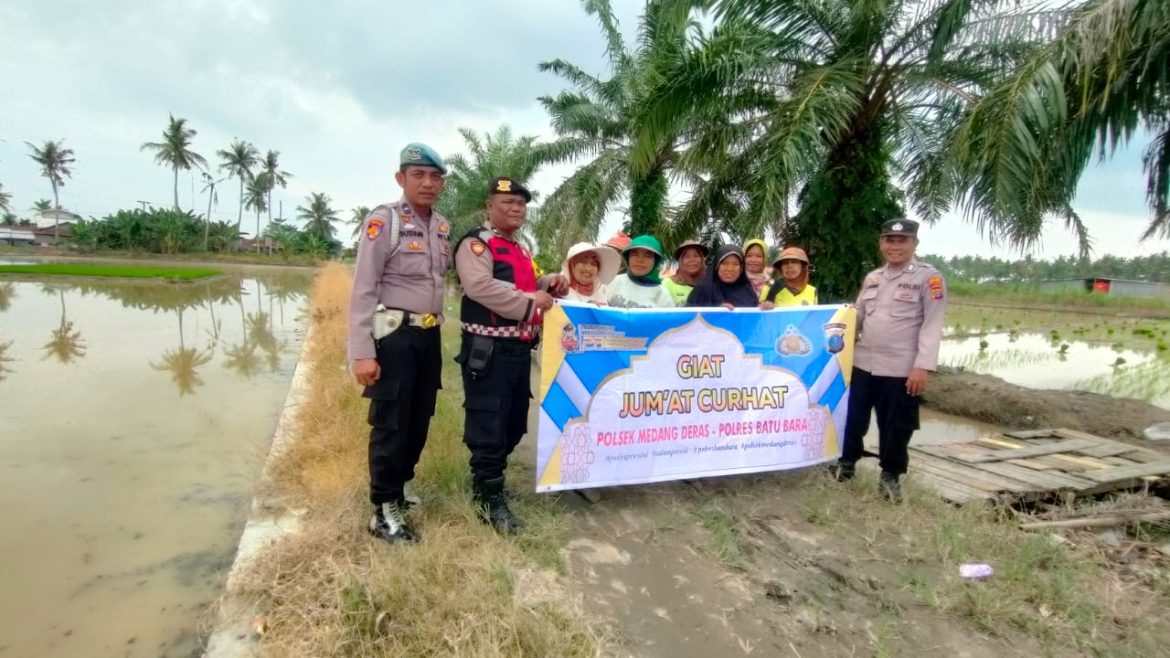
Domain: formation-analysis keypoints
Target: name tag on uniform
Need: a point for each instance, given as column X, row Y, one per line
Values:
column 904, row 295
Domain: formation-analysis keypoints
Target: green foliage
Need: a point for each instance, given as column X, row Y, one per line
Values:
column 978, row 269
column 466, row 191
column 841, row 211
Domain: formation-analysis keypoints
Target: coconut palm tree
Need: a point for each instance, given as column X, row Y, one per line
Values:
column 56, row 163
column 273, row 176
column 175, row 150
column 42, row 206
column 832, row 103
column 5, row 199
column 209, row 183
column 318, row 216
column 255, row 195
column 597, row 119
column 357, row 218
column 238, row 159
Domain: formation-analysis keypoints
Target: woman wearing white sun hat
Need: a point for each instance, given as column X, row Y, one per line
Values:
column 589, row 267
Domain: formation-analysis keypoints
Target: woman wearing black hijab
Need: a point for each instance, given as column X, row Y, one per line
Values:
column 726, row 283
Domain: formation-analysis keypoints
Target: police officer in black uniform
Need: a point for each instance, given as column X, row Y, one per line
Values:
column 501, row 313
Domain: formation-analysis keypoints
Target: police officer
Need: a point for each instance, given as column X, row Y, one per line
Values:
column 394, row 318
column 900, row 316
column 501, row 312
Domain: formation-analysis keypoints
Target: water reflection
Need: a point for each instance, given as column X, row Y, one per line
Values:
column 183, row 362
column 7, row 292
column 67, row 345
column 5, row 360
column 1149, row 381
column 106, row 499
column 1038, row 361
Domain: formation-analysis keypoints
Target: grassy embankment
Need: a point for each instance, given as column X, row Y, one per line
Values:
column 331, row 590
column 110, row 270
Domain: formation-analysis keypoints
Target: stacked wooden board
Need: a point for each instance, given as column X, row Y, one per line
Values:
column 1035, row 465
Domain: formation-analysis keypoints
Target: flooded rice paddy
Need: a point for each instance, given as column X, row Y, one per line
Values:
column 1120, row 358
column 134, row 419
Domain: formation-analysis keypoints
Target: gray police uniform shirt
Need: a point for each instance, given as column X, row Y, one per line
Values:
column 411, row 278
column 900, row 316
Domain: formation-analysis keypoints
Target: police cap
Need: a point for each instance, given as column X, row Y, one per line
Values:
column 900, row 226
column 506, row 185
column 421, row 155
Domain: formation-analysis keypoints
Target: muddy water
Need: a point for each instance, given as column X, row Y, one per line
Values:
column 134, row 418
column 1036, row 361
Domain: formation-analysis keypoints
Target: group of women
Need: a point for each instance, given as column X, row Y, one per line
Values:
column 626, row 273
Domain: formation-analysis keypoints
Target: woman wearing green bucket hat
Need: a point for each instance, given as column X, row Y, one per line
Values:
column 640, row 286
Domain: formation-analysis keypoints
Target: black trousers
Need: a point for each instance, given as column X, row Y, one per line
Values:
column 495, row 404
column 897, row 417
column 402, row 402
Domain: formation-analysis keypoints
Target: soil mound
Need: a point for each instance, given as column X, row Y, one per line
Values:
column 992, row 400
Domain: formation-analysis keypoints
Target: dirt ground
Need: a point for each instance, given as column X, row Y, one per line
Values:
column 763, row 565
column 991, row 400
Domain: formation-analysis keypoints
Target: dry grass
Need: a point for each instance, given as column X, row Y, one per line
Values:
column 332, row 590
column 1068, row 597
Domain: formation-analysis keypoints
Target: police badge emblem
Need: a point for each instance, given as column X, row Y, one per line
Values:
column 835, row 336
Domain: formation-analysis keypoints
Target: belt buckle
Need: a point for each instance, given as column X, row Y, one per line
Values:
column 428, row 320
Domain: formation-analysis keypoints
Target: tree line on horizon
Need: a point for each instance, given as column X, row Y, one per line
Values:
column 978, row 269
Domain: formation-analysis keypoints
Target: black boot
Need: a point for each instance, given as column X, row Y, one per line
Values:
column 389, row 523
column 843, row 471
column 890, row 488
column 493, row 506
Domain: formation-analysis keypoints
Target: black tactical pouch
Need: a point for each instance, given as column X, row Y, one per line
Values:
column 479, row 357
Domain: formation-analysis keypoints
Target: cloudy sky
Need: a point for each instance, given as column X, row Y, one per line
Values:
column 337, row 88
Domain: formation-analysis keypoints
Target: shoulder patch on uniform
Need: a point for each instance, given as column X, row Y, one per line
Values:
column 374, row 228
column 478, row 247
column 936, row 287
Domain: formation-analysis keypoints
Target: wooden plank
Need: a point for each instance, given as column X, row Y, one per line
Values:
column 1031, row 434
column 1034, row 464
column 1126, row 472
column 1066, row 433
column 1085, row 463
column 992, row 442
column 1108, row 449
column 1048, row 480
column 1064, row 445
column 974, row 477
column 949, row 489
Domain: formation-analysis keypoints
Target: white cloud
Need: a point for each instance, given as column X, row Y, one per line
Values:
column 337, row 88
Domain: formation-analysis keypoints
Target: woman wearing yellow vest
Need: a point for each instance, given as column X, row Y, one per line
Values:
column 792, row 287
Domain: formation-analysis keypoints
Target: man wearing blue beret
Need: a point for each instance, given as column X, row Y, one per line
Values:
column 395, row 312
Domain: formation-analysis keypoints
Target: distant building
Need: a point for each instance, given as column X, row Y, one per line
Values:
column 44, row 234
column 14, row 235
column 1108, row 286
column 50, row 217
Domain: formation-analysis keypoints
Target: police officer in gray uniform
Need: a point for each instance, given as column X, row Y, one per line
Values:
column 394, row 317
column 900, row 313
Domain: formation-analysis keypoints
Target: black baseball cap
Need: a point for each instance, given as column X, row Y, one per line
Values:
column 900, row 226
column 506, row 185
